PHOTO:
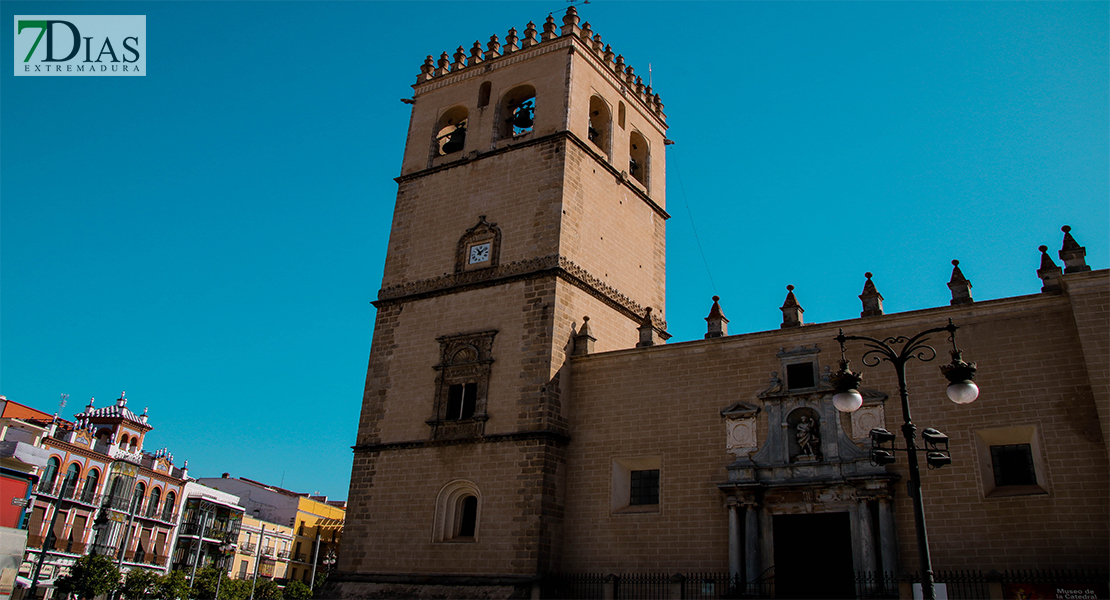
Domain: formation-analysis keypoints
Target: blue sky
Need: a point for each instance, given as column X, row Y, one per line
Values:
column 209, row 237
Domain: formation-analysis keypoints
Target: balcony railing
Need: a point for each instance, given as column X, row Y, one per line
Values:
column 248, row 548
column 47, row 488
column 301, row 557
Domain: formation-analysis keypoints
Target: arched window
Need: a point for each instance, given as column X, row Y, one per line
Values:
column 458, row 512
column 451, row 131
column 91, row 481
column 69, row 484
column 50, row 475
column 123, row 439
column 600, row 124
column 639, row 157
column 167, row 510
column 155, row 498
column 620, row 114
column 517, row 112
column 104, row 435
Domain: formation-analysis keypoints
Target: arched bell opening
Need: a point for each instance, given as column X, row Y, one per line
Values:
column 639, row 158
column 599, row 128
column 517, row 112
column 451, row 131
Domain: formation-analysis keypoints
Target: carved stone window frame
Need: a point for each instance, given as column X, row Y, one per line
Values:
column 482, row 232
column 464, row 358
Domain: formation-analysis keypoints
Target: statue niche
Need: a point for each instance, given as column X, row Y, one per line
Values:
column 805, row 443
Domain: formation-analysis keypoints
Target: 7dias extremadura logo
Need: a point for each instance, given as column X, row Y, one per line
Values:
column 93, row 45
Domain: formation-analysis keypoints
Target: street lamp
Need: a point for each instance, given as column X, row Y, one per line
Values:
column 226, row 548
column 961, row 390
column 329, row 560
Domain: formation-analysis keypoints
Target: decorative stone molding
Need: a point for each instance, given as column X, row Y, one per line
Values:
column 525, row 269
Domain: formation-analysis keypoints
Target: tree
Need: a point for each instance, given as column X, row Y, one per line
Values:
column 92, row 575
column 172, row 586
column 139, row 583
column 266, row 589
column 204, row 586
column 296, row 590
column 235, row 589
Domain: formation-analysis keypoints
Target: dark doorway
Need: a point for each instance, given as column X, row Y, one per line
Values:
column 813, row 556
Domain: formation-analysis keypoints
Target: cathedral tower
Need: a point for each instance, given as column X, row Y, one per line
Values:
column 531, row 196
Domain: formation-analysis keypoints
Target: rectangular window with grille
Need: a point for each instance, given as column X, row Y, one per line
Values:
column 644, row 488
column 1013, row 465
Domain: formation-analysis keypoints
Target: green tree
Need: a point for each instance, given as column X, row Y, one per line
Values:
column 296, row 590
column 266, row 589
column 172, row 586
column 235, row 589
column 318, row 583
column 139, row 583
column 92, row 575
column 204, row 586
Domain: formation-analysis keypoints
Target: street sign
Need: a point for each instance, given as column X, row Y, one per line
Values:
column 20, row 502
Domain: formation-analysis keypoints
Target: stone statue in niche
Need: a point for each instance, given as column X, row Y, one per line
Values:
column 808, row 440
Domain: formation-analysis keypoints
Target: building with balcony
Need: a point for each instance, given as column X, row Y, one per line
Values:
column 263, row 551
column 316, row 522
column 209, row 530
column 100, row 492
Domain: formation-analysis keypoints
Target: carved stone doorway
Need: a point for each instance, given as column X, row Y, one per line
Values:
column 813, row 556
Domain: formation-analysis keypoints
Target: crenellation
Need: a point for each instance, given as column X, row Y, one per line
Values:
column 493, row 48
column 475, row 54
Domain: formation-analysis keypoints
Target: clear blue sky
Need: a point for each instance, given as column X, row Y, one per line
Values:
column 209, row 237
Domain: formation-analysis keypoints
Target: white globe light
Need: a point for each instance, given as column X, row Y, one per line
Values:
column 848, row 401
column 963, row 392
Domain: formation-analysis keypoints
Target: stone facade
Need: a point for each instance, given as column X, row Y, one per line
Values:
column 501, row 440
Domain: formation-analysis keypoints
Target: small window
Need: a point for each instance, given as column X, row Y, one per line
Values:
column 644, row 488
column 636, row 485
column 460, row 400
column 1011, row 462
column 1013, row 465
column 799, row 376
column 620, row 114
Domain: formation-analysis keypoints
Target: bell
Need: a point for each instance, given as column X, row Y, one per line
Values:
column 633, row 166
column 456, row 141
column 522, row 116
column 591, row 133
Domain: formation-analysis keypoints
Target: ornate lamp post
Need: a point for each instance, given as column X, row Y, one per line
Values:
column 225, row 549
column 961, row 390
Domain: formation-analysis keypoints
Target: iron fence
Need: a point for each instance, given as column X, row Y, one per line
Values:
column 961, row 584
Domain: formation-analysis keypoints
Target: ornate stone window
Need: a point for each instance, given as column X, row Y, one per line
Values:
column 458, row 511
column 462, row 385
column 479, row 247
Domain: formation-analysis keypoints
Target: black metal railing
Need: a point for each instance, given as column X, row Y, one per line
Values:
column 969, row 584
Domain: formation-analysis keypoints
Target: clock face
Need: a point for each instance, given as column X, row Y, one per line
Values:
column 479, row 253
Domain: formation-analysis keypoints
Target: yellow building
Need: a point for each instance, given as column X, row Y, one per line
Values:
column 317, row 522
column 264, row 544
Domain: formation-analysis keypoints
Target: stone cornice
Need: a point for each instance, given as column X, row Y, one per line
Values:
column 533, row 268
column 474, row 156
column 518, row 436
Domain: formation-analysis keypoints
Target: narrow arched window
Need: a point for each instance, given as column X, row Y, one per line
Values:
column 155, row 498
column 517, row 112
column 620, row 114
column 69, row 484
column 600, row 124
column 483, row 94
column 50, row 475
column 451, row 131
column 137, row 497
column 639, row 157
column 91, row 481
column 167, row 510
column 458, row 512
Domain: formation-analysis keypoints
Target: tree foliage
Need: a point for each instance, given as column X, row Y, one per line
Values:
column 92, row 575
column 296, row 590
column 172, row 586
column 140, row 583
column 266, row 589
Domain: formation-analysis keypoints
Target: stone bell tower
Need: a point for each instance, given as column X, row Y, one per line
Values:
column 531, row 196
